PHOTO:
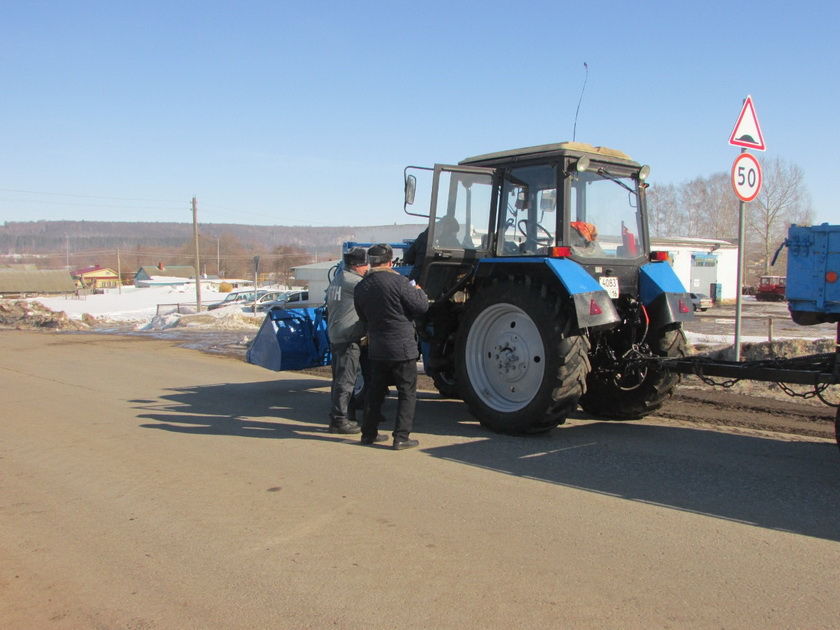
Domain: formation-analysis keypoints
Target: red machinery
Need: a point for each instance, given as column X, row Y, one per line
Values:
column 771, row 289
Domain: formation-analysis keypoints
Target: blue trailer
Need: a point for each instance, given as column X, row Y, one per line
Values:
column 813, row 296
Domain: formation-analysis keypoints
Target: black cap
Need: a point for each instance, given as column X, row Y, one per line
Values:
column 356, row 257
column 380, row 254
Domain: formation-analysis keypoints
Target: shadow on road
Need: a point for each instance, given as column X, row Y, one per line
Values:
column 782, row 485
column 259, row 409
column 791, row 486
column 244, row 409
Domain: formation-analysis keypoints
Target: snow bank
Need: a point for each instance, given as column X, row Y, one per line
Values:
column 138, row 308
column 234, row 317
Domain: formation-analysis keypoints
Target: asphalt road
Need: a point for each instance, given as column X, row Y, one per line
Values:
column 145, row 486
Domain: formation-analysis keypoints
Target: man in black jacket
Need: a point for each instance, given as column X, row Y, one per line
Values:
column 388, row 304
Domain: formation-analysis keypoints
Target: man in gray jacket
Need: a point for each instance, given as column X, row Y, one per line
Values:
column 345, row 332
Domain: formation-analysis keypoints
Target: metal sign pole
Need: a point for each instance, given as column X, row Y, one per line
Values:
column 739, row 296
column 746, row 181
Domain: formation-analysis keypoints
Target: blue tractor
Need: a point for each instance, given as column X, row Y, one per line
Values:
column 544, row 292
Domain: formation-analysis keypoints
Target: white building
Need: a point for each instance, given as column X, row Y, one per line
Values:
column 316, row 277
column 700, row 262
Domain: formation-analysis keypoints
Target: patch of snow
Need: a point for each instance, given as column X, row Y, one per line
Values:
column 701, row 339
column 139, row 307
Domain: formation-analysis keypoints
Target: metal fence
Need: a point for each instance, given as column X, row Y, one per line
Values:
column 769, row 319
column 182, row 308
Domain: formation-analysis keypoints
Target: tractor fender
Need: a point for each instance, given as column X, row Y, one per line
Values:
column 663, row 295
column 593, row 306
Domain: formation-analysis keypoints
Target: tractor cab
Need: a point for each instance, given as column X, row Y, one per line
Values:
column 569, row 200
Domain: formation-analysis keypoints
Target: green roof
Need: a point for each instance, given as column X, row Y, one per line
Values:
column 38, row 281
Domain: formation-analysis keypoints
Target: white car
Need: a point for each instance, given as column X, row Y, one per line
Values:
column 236, row 297
column 267, row 298
column 701, row 302
column 286, row 299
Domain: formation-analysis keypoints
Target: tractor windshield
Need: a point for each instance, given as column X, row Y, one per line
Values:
column 604, row 216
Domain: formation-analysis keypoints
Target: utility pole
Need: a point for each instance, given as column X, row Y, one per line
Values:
column 256, row 276
column 119, row 273
column 197, row 266
column 218, row 259
column 67, row 250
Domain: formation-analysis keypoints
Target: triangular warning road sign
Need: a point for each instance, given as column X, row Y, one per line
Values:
column 747, row 132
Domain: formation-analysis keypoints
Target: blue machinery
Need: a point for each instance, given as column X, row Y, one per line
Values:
column 813, row 296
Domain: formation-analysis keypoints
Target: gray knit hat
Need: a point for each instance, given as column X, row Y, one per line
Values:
column 356, row 257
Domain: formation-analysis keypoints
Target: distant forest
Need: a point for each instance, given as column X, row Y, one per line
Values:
column 226, row 250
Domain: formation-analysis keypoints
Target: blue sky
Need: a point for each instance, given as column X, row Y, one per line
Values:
column 305, row 113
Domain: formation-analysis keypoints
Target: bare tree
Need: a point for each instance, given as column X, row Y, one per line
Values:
column 706, row 207
column 725, row 221
column 284, row 258
column 712, row 207
column 664, row 213
column 783, row 200
column 703, row 207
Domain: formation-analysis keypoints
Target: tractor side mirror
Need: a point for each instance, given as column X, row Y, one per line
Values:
column 410, row 189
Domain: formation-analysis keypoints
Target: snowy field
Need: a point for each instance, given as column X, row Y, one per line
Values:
column 136, row 309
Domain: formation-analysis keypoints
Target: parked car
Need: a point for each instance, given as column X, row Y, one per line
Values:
column 237, row 297
column 701, row 301
column 284, row 299
column 267, row 298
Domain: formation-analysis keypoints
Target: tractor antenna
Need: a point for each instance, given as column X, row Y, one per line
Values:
column 585, row 78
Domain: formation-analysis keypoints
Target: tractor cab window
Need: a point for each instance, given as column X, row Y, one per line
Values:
column 605, row 221
column 528, row 211
column 462, row 216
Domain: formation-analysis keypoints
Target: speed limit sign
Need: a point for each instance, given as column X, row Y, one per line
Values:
column 746, row 177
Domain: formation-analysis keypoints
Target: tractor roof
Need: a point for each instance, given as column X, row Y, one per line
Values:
column 574, row 149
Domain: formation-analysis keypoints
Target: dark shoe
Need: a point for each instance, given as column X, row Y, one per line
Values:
column 400, row 445
column 345, row 427
column 380, row 437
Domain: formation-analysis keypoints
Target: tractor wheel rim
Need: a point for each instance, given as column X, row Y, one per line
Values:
column 505, row 357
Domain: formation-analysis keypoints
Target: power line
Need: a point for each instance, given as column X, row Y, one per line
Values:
column 88, row 205
column 161, row 253
column 58, row 194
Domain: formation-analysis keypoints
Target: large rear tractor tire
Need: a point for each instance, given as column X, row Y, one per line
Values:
column 518, row 367
column 637, row 393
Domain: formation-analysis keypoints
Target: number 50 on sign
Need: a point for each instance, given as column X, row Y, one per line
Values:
column 746, row 177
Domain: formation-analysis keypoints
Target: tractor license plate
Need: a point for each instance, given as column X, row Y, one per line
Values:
column 610, row 285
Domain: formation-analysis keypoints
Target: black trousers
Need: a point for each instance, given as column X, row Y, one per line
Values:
column 402, row 374
column 357, row 400
column 345, row 368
